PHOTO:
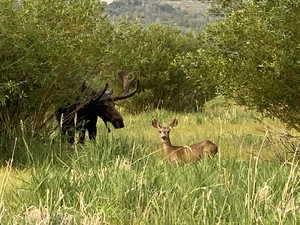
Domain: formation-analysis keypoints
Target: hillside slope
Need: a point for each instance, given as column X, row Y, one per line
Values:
column 190, row 14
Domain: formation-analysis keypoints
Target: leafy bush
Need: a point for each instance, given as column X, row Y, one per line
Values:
column 255, row 51
column 47, row 49
column 162, row 58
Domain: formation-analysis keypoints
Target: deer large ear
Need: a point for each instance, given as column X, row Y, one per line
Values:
column 155, row 123
column 174, row 123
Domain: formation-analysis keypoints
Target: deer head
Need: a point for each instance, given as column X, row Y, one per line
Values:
column 164, row 131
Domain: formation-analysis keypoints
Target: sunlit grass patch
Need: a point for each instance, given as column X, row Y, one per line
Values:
column 212, row 191
column 240, row 138
column 12, row 178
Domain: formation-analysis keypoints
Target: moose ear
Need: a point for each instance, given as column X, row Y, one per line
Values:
column 174, row 123
column 155, row 123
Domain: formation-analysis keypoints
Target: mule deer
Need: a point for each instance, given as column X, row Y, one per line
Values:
column 191, row 153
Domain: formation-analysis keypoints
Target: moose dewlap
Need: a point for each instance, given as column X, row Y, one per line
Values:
column 190, row 153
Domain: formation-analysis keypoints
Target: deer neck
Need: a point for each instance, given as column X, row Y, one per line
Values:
column 167, row 146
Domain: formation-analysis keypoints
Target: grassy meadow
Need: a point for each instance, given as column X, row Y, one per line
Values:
column 123, row 178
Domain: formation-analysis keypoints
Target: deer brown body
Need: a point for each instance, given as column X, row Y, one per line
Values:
column 191, row 153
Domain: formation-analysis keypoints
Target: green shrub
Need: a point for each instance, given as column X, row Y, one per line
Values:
column 162, row 58
column 255, row 54
column 47, row 49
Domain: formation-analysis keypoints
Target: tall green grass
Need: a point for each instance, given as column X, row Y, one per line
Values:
column 123, row 178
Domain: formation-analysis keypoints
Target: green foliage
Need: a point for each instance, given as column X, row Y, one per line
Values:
column 47, row 49
column 199, row 86
column 255, row 52
column 162, row 58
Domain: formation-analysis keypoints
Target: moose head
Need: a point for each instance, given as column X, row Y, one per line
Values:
column 105, row 106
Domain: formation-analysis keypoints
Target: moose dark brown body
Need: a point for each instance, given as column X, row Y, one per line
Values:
column 83, row 116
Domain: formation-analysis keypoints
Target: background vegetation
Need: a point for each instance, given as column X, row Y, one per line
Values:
column 47, row 50
column 256, row 52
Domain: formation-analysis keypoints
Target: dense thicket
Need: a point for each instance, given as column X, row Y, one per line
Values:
column 254, row 52
column 159, row 57
column 49, row 48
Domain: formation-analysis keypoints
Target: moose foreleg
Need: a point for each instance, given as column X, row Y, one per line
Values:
column 71, row 136
column 81, row 136
column 92, row 129
column 107, row 127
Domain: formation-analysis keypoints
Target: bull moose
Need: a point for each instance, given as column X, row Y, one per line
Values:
column 83, row 116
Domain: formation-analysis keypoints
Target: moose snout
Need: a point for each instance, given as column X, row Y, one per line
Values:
column 118, row 124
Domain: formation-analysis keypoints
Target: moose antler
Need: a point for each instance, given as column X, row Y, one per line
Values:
column 127, row 85
column 99, row 95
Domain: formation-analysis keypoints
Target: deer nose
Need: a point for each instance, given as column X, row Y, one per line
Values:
column 164, row 137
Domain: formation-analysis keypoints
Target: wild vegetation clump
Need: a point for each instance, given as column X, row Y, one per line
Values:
column 50, row 46
column 254, row 52
column 157, row 56
column 47, row 50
